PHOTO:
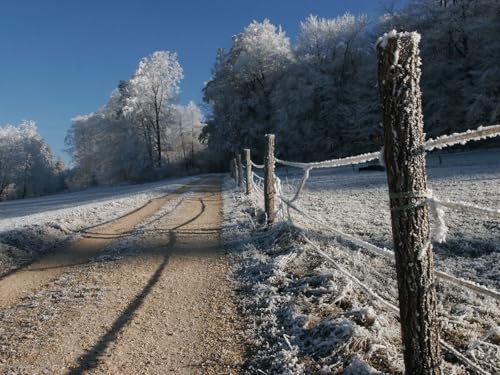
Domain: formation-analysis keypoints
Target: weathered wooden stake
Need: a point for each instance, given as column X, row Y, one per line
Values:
column 231, row 173
column 240, row 170
column 269, row 180
column 399, row 88
column 248, row 164
column 235, row 170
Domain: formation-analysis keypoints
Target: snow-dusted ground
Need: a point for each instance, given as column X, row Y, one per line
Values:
column 307, row 317
column 357, row 203
column 33, row 226
column 24, row 207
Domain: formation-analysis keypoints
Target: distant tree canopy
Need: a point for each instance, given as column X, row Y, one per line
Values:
column 141, row 133
column 27, row 166
column 319, row 95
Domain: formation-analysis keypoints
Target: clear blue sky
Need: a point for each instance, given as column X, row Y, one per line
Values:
column 61, row 58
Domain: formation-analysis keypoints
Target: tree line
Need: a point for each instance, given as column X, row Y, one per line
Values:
column 27, row 166
column 319, row 93
column 141, row 133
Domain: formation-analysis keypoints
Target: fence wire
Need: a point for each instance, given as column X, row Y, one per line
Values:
column 435, row 203
column 258, row 166
column 391, row 307
column 479, row 289
column 483, row 132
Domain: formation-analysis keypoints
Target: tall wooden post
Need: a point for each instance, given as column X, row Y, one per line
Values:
column 399, row 88
column 269, row 180
column 248, row 170
column 235, row 170
column 240, row 170
column 231, row 168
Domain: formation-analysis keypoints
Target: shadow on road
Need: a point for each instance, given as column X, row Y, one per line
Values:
column 90, row 360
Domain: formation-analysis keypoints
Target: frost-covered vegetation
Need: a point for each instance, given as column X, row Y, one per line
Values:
column 306, row 316
column 318, row 94
column 27, row 166
column 141, row 133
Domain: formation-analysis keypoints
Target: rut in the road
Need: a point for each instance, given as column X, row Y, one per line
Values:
column 166, row 304
column 13, row 286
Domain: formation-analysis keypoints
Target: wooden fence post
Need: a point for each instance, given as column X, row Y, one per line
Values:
column 240, row 170
column 235, row 170
column 231, row 168
column 269, row 180
column 399, row 89
column 248, row 164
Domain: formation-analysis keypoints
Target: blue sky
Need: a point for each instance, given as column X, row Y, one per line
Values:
column 61, row 58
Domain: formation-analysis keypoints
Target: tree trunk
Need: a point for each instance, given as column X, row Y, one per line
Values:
column 157, row 105
column 231, row 172
column 399, row 86
column 192, row 139
column 158, row 143
column 2, row 189
column 183, row 144
column 149, row 143
column 25, row 179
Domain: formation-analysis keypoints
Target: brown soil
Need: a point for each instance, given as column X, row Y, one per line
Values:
column 159, row 302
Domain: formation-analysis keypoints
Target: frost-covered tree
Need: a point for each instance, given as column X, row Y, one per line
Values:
column 154, row 86
column 322, row 103
column 194, row 119
column 108, row 146
column 129, row 137
column 106, row 149
column 319, row 95
column 460, row 50
column 305, row 94
column 27, row 166
column 239, row 92
column 187, row 124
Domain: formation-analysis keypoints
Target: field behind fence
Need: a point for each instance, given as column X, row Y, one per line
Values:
column 411, row 203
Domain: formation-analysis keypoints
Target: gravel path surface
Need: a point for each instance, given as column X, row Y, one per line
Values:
column 154, row 300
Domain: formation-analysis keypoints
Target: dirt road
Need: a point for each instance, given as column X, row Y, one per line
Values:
column 152, row 300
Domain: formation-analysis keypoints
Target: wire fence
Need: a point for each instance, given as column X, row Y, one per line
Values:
column 285, row 206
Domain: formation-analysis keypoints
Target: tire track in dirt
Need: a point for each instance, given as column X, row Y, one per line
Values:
column 49, row 266
column 164, row 304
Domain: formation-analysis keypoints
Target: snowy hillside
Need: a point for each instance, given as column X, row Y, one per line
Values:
column 308, row 316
